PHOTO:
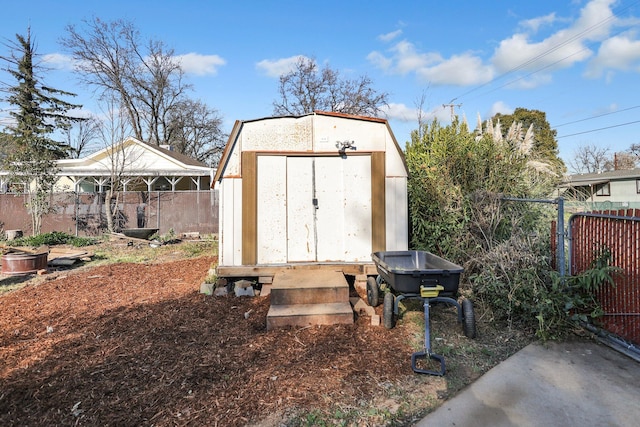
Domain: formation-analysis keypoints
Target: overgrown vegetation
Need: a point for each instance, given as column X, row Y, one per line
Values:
column 55, row 238
column 457, row 180
column 466, row 192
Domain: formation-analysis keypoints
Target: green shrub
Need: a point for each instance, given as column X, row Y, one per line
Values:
column 527, row 294
column 55, row 238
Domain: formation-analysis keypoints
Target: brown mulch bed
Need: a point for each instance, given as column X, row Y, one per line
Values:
column 137, row 344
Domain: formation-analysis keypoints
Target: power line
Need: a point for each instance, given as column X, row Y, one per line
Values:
column 596, row 116
column 543, row 54
column 596, row 130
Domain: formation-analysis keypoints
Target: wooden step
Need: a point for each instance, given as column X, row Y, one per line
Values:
column 309, row 314
column 309, row 287
column 309, row 297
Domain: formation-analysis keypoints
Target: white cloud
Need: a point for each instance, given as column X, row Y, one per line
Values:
column 617, row 53
column 499, row 107
column 278, row 67
column 390, row 36
column 380, row 61
column 529, row 81
column 535, row 23
column 58, row 61
column 562, row 49
column 400, row 112
column 532, row 61
column 195, row 63
column 461, row 70
column 408, row 59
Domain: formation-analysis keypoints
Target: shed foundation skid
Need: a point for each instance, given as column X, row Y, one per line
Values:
column 266, row 272
column 309, row 297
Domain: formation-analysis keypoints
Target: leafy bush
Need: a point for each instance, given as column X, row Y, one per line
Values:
column 54, row 238
column 457, row 185
column 527, row 294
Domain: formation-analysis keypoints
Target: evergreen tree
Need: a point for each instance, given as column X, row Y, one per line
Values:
column 37, row 113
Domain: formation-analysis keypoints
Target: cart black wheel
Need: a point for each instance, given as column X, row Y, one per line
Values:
column 372, row 292
column 387, row 311
column 469, row 318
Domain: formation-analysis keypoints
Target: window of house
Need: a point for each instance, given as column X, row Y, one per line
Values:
column 638, row 186
column 603, row 189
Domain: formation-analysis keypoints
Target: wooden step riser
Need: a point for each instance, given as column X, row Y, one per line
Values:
column 309, row 295
column 301, row 315
column 302, row 321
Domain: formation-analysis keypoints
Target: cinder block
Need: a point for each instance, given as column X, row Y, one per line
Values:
column 206, row 288
column 375, row 320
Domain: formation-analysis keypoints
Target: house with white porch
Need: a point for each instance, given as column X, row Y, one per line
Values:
column 136, row 165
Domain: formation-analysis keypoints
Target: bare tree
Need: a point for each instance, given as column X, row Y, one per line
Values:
column 590, row 159
column 420, row 113
column 146, row 78
column 114, row 129
column 307, row 88
column 82, row 135
column 622, row 161
column 195, row 130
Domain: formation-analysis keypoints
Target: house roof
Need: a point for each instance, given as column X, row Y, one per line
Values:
column 579, row 180
column 142, row 159
column 237, row 127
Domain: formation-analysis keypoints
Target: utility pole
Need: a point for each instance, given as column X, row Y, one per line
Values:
column 452, row 106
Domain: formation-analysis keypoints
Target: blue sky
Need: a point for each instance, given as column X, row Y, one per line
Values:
column 576, row 60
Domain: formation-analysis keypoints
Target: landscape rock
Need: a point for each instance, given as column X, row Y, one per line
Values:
column 241, row 292
column 361, row 288
column 362, row 307
column 243, row 283
column 221, row 292
column 206, row 288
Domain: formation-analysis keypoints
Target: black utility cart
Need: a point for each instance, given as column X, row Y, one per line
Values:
column 421, row 275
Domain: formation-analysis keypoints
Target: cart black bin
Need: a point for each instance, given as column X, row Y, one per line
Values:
column 423, row 275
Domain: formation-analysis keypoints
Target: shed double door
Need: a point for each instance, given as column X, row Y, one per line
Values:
column 314, row 209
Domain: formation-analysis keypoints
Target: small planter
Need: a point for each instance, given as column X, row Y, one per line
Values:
column 19, row 264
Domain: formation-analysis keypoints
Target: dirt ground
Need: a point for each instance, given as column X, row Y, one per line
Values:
column 138, row 344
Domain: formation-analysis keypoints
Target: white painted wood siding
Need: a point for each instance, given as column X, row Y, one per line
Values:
column 272, row 209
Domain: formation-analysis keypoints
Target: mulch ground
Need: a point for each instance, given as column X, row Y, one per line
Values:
column 137, row 344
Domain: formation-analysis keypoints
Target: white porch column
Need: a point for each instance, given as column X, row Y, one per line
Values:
column 196, row 181
column 101, row 183
column 149, row 182
column 173, row 181
column 125, row 182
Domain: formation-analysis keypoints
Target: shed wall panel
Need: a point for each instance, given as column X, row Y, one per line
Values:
column 330, row 225
column 394, row 162
column 366, row 136
column 230, row 232
column 272, row 209
column 300, row 224
column 283, row 134
column 397, row 208
column 236, row 212
column 357, row 209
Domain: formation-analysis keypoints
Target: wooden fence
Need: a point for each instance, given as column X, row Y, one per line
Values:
column 619, row 233
column 83, row 214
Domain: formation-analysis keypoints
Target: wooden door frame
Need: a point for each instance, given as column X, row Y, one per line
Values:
column 249, row 174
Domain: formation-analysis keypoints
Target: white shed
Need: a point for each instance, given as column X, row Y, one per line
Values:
column 322, row 188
